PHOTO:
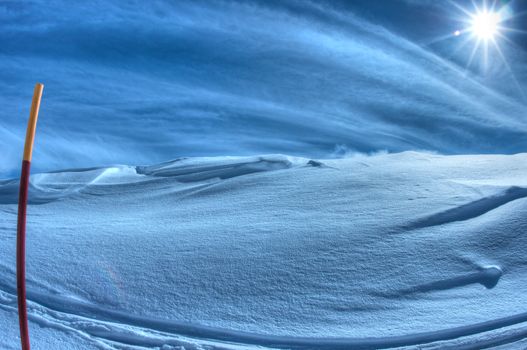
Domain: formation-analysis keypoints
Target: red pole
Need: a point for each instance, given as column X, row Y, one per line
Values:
column 21, row 223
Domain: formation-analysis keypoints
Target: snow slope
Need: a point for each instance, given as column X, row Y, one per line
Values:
column 273, row 251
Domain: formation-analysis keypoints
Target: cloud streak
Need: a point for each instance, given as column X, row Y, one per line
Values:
column 131, row 82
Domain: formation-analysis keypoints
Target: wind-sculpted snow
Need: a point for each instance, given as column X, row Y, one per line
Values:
column 274, row 252
column 487, row 277
column 193, row 170
column 51, row 186
column 48, row 187
column 471, row 210
column 143, row 82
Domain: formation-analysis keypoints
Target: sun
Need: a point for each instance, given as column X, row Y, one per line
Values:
column 485, row 24
column 485, row 27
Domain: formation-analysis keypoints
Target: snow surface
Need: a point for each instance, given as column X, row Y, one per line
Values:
column 273, row 251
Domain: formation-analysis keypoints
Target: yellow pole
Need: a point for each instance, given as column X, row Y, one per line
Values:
column 32, row 124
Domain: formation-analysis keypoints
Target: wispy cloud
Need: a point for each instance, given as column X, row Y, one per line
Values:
column 140, row 82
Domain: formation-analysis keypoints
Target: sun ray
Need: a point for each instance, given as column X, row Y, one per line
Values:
column 472, row 54
column 509, row 41
column 509, row 69
column 439, row 39
column 459, row 47
column 513, row 30
column 493, row 7
column 459, row 7
column 476, row 7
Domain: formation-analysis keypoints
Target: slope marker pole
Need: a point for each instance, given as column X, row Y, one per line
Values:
column 21, row 222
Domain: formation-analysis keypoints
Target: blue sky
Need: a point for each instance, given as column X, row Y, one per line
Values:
column 140, row 82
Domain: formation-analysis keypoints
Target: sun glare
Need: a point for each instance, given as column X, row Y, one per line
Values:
column 485, row 25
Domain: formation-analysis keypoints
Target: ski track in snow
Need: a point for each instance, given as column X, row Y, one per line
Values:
column 123, row 328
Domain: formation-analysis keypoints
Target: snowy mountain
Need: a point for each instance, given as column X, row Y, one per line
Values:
column 273, row 252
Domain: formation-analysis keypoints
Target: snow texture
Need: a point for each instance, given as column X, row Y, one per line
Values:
column 273, row 251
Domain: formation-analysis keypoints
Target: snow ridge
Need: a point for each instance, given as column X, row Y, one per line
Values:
column 200, row 169
column 470, row 210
